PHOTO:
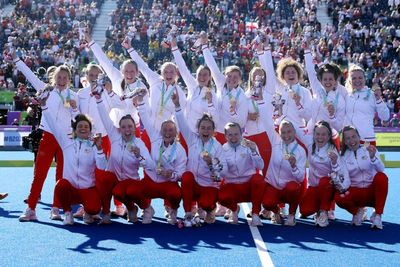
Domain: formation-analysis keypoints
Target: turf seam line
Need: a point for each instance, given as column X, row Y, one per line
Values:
column 261, row 246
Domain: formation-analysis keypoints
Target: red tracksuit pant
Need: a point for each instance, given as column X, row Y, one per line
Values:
column 108, row 185
column 264, row 147
column 317, row 197
column 48, row 148
column 291, row 194
column 169, row 191
column 69, row 195
column 206, row 197
column 372, row 196
column 230, row 195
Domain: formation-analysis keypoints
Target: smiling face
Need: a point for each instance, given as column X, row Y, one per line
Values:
column 321, row 136
column 127, row 128
column 328, row 81
column 204, row 77
column 233, row 79
column 169, row 74
column 62, row 79
column 287, row 133
column 351, row 139
column 168, row 132
column 92, row 75
column 206, row 130
column 290, row 75
column 83, row 130
column 233, row 135
column 357, row 79
column 130, row 73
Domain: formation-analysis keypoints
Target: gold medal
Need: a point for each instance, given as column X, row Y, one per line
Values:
column 129, row 147
column 158, row 170
column 244, row 142
column 367, row 144
column 232, row 101
column 161, row 112
column 291, row 93
column 286, row 156
column 67, row 104
column 203, row 154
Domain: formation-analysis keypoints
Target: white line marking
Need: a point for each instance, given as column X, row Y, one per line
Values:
column 262, row 250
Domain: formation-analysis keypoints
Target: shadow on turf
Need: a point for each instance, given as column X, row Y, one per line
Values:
column 305, row 235
column 9, row 213
column 220, row 236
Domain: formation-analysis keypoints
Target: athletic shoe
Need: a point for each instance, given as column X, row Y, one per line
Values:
column 233, row 217
column 376, row 221
column 188, row 219
column 68, row 218
column 331, row 215
column 106, row 219
column 194, row 210
column 210, row 217
column 229, row 212
column 290, row 220
column 79, row 213
column 201, row 213
column 55, row 214
column 167, row 211
column 172, row 216
column 119, row 211
column 87, row 218
column 255, row 220
column 321, row 219
column 147, row 215
column 28, row 215
column 3, row 195
column 132, row 214
column 276, row 218
column 266, row 214
column 365, row 214
column 283, row 213
column 220, row 210
column 358, row 217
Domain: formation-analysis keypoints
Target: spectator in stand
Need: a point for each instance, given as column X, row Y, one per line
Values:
column 394, row 122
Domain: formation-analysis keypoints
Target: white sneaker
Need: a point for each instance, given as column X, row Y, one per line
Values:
column 220, row 210
column 172, row 216
column 194, row 210
column 233, row 217
column 132, row 214
column 210, row 217
column 291, row 220
column 255, row 220
column 120, row 211
column 358, row 218
column 28, row 215
column 68, row 218
column 365, row 214
column 331, row 215
column 376, row 220
column 147, row 215
column 266, row 214
column 55, row 214
column 321, row 219
column 276, row 218
column 167, row 211
column 188, row 219
column 283, row 212
column 87, row 218
column 79, row 213
column 228, row 212
column 201, row 213
column 106, row 219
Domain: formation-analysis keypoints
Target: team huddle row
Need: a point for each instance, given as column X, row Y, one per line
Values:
column 212, row 147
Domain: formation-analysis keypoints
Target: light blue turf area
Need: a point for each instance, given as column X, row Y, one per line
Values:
column 49, row 243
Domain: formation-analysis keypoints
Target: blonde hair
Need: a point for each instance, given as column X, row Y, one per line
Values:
column 58, row 69
column 169, row 64
column 233, row 68
column 251, row 74
column 286, row 123
column 91, row 66
column 285, row 63
column 352, row 68
column 201, row 68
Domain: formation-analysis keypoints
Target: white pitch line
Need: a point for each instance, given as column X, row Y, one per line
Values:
column 262, row 250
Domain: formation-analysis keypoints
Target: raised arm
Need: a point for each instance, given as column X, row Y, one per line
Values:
column 266, row 118
column 151, row 76
column 218, row 77
column 145, row 119
column 316, row 86
column 190, row 81
column 30, row 76
column 268, row 66
column 107, row 122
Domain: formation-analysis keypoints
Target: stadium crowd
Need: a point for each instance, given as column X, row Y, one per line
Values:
column 45, row 33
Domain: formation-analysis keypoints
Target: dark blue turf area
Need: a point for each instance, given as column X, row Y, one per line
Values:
column 49, row 243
